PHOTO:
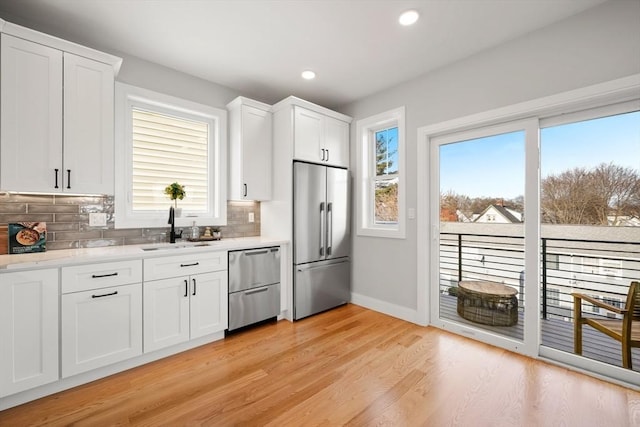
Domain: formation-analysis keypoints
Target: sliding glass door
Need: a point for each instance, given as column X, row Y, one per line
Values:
column 482, row 287
column 535, row 227
column 590, row 234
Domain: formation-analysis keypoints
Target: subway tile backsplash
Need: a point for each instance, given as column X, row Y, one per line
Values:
column 67, row 219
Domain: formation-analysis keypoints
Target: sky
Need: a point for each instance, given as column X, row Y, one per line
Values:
column 494, row 166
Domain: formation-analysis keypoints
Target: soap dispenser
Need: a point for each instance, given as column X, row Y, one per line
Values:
column 195, row 231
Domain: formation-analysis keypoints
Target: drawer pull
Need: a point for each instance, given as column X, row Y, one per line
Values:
column 105, row 295
column 255, row 291
column 190, row 265
column 98, row 276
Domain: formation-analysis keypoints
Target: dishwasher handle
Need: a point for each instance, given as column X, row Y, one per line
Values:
column 256, row 290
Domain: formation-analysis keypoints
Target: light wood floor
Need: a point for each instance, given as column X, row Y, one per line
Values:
column 348, row 366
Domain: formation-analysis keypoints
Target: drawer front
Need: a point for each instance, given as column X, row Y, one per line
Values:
column 253, row 305
column 97, row 276
column 253, row 268
column 182, row 265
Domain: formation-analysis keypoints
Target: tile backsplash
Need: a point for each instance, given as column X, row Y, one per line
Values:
column 67, row 219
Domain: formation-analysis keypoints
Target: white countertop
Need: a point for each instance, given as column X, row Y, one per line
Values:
column 88, row 255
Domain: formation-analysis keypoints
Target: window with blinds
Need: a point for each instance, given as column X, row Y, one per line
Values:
column 169, row 149
column 161, row 139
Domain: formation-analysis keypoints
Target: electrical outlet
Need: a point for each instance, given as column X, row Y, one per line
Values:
column 97, row 219
column 251, row 217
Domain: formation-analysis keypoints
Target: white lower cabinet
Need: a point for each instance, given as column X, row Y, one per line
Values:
column 28, row 330
column 101, row 317
column 101, row 327
column 182, row 308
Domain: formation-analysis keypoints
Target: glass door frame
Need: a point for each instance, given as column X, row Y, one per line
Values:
column 529, row 344
column 625, row 89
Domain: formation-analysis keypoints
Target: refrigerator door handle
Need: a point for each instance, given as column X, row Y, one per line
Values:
column 329, row 227
column 322, row 228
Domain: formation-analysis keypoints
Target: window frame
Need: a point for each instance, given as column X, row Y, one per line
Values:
column 366, row 171
column 129, row 97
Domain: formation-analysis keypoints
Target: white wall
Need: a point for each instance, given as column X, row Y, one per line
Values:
column 138, row 72
column 598, row 45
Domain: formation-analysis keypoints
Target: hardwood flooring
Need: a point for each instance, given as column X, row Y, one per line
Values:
column 349, row 366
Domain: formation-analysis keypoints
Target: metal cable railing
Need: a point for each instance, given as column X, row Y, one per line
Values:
column 602, row 269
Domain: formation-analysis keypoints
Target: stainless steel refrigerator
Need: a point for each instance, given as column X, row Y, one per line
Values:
column 321, row 238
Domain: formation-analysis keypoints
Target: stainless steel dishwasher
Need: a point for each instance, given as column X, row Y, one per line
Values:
column 254, row 286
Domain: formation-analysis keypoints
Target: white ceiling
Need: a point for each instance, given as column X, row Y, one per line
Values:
column 260, row 47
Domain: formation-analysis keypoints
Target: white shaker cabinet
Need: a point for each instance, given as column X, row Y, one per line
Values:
column 28, row 330
column 320, row 138
column 56, row 110
column 88, row 162
column 101, row 315
column 250, row 150
column 185, row 297
column 31, row 116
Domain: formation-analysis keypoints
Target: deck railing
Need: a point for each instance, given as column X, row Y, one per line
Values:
column 602, row 269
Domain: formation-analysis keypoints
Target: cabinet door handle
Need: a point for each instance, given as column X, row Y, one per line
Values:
column 327, row 159
column 190, row 265
column 105, row 295
column 322, row 155
column 98, row 276
column 56, row 174
column 69, row 178
column 244, row 193
column 194, row 286
column 186, row 288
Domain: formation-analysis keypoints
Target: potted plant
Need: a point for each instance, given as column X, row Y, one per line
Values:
column 175, row 192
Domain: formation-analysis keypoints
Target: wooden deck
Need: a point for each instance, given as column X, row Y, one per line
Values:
column 556, row 334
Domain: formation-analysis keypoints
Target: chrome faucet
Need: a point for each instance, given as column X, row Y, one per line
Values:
column 172, row 221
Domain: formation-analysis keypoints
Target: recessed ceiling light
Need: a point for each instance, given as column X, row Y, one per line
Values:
column 408, row 18
column 308, row 75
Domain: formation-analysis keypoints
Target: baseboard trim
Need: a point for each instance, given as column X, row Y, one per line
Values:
column 394, row 310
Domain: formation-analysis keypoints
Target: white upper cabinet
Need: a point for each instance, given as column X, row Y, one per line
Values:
column 56, row 109
column 320, row 138
column 88, row 126
column 336, row 142
column 250, row 151
column 31, row 116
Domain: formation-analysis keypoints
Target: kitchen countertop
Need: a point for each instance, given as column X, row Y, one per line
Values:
column 59, row 258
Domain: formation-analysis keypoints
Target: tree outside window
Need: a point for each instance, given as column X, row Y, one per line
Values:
column 386, row 179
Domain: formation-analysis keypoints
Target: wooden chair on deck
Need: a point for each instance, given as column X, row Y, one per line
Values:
column 625, row 330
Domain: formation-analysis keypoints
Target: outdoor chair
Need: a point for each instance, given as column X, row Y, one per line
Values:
column 625, row 330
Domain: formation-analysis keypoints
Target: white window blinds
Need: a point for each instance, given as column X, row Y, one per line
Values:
column 169, row 149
